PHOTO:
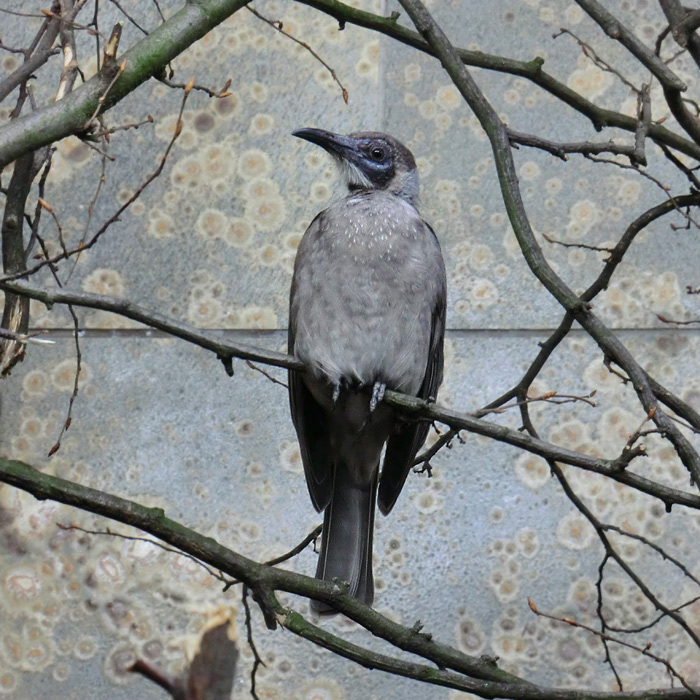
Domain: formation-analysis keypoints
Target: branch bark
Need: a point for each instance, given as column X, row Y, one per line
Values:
column 145, row 59
column 497, row 133
column 454, row 669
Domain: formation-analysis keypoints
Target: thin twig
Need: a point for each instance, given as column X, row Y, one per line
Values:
column 645, row 650
column 278, row 26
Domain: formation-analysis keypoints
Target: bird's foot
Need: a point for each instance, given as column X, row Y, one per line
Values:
column 377, row 395
column 336, row 393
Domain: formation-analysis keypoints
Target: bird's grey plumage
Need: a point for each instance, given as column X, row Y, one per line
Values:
column 367, row 309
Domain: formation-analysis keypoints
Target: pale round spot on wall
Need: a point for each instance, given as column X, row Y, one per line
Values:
column 412, row 72
column 254, row 163
column 258, row 91
column 320, row 192
column 108, row 571
column 576, row 257
column 204, row 311
column 258, row 317
column 165, row 127
column 39, row 650
column 160, row 224
column 589, row 81
column 35, row 383
column 532, row 470
column 239, row 233
column 629, row 191
column 497, row 220
column 8, row 682
column 527, row 542
column 443, row 121
column 261, row 124
column 506, row 588
column 63, row 375
column 461, row 306
column 575, row 532
column 104, row 281
column 290, row 457
column 261, row 188
column 496, row 515
column 269, row 255
column 480, row 257
column 427, row 502
column 321, row 689
column 511, row 96
column 266, row 214
column 85, row 648
column 546, row 14
column 217, row 163
column 117, row 665
column 573, row 14
column 211, row 224
column 616, row 424
column 530, row 170
column 597, row 376
column 567, row 652
column 583, row 595
column 448, row 97
column 582, row 216
column 482, row 294
column 570, row 434
column 470, row 636
column 60, row 672
column 427, row 109
column 74, row 150
column 365, row 68
column 21, row 584
column 187, row 173
column 314, row 160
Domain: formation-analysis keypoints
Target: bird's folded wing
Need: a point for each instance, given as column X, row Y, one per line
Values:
column 310, row 422
column 403, row 445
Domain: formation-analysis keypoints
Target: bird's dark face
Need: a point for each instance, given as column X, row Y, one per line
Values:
column 369, row 160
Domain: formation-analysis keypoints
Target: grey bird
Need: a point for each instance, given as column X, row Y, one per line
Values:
column 367, row 312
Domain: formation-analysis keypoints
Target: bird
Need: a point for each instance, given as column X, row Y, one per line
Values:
column 366, row 313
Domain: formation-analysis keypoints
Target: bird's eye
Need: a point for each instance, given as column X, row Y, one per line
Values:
column 377, row 153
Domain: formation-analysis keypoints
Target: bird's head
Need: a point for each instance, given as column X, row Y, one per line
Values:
column 369, row 160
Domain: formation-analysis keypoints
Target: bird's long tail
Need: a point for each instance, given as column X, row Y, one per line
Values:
column 346, row 538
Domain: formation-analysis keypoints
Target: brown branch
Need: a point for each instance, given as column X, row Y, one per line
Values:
column 82, row 245
column 591, row 53
column 454, row 669
column 644, row 651
column 619, row 32
column 561, row 150
column 15, row 317
column 410, row 405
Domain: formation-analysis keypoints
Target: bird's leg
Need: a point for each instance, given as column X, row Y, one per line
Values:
column 377, row 395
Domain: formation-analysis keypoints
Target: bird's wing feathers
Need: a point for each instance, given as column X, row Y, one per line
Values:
column 403, row 445
column 310, row 422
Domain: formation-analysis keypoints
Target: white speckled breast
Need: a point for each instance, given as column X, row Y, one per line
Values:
column 369, row 271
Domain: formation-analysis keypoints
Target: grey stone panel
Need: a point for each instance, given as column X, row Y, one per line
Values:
column 577, row 202
column 159, row 422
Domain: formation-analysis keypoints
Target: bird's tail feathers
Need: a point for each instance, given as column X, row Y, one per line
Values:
column 346, row 538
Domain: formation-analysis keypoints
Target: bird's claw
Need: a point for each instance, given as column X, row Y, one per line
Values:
column 377, row 395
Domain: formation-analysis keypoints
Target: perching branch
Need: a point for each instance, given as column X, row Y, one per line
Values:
column 454, row 669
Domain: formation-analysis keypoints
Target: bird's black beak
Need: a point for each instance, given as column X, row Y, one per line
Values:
column 336, row 144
